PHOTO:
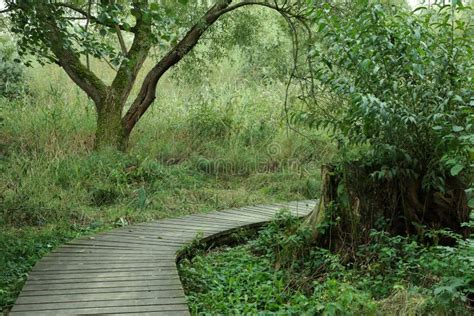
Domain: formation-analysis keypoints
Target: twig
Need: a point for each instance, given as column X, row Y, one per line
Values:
column 121, row 41
column 89, row 4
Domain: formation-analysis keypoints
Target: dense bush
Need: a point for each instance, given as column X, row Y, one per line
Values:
column 12, row 76
column 405, row 86
column 396, row 87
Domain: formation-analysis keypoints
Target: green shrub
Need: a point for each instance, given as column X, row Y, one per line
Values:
column 207, row 122
column 12, row 75
column 404, row 86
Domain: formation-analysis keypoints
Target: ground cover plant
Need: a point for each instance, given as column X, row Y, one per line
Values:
column 391, row 275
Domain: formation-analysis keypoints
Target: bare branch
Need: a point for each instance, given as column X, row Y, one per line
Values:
column 147, row 92
column 121, row 41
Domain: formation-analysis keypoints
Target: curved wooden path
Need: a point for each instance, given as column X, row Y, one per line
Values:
column 130, row 270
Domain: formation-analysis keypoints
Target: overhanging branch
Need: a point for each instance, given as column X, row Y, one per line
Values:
column 147, row 93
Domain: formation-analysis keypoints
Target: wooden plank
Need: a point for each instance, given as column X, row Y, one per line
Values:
column 83, row 279
column 203, row 222
column 97, row 249
column 150, row 238
column 166, row 233
column 150, row 235
column 100, row 304
column 200, row 220
column 161, row 287
column 219, row 219
column 178, row 228
column 31, row 286
column 130, row 270
column 84, row 274
column 177, row 231
column 75, row 249
column 99, row 266
column 107, row 259
column 106, row 256
column 65, row 259
column 238, row 220
column 247, row 218
column 246, row 214
column 138, row 243
column 106, row 243
column 267, row 212
column 72, row 298
column 161, row 310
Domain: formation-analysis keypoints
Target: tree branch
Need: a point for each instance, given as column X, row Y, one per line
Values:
column 67, row 59
column 121, row 41
column 135, row 57
column 147, row 93
column 83, row 77
column 89, row 16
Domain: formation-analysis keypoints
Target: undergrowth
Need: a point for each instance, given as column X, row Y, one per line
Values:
column 280, row 272
column 198, row 150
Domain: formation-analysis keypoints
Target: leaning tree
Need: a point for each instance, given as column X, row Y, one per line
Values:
column 68, row 32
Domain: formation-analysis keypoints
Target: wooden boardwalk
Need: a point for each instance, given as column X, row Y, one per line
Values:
column 130, row 270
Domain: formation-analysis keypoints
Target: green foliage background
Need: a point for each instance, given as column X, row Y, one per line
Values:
column 390, row 87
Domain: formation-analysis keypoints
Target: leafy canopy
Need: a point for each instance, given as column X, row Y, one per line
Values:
column 92, row 27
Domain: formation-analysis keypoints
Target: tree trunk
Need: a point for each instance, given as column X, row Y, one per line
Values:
column 110, row 132
column 353, row 203
column 318, row 215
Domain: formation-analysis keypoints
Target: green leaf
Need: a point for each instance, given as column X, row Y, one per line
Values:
column 456, row 169
column 470, row 203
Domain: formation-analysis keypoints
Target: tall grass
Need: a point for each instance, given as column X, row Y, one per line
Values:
column 216, row 143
